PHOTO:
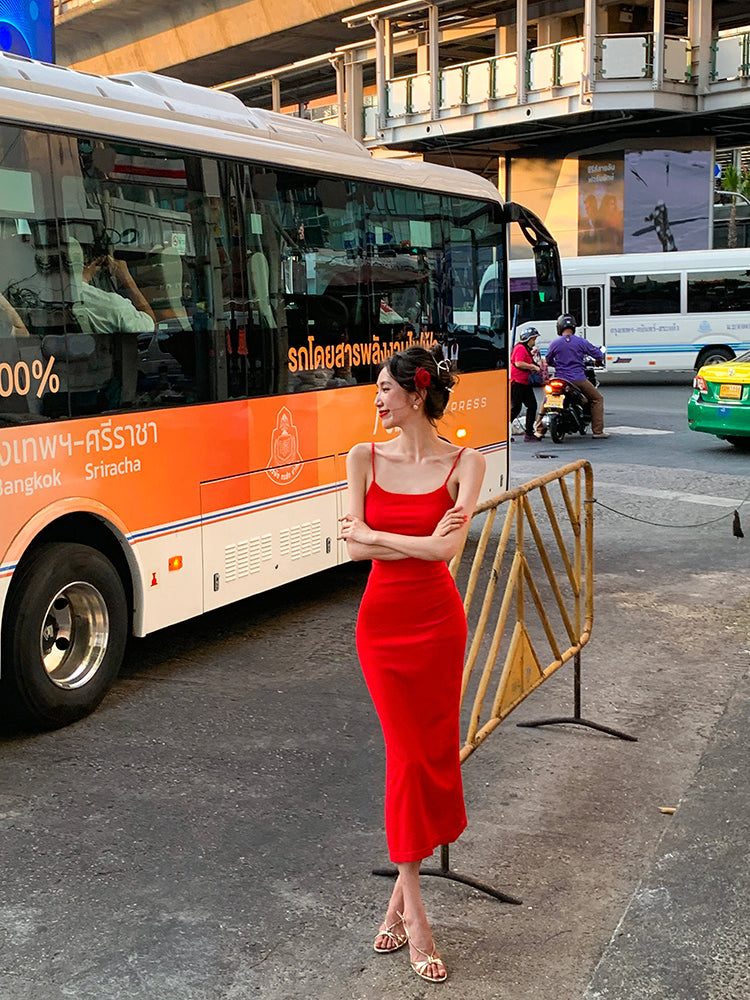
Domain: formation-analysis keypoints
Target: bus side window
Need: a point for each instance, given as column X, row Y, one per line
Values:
column 593, row 306
column 575, row 304
column 132, row 243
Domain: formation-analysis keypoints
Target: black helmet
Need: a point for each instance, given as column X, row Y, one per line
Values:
column 565, row 322
column 525, row 335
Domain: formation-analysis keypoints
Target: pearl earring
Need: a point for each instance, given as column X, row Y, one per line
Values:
column 416, row 406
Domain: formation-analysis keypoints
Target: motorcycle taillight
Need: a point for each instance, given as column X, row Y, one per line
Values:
column 556, row 385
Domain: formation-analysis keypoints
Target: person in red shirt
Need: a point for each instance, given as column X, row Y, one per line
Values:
column 522, row 364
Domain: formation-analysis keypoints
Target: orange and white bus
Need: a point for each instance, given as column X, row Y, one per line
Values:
column 194, row 300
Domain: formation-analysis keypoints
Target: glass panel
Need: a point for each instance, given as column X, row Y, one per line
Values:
column 478, row 77
column 531, row 306
column 541, row 64
column 643, row 294
column 343, row 273
column 624, row 56
column 32, row 379
column 473, row 331
column 575, row 304
column 571, row 63
column 594, row 306
column 718, row 291
column 308, row 314
column 137, row 230
column 406, row 261
column 452, row 87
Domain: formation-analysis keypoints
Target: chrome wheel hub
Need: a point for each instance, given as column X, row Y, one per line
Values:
column 74, row 635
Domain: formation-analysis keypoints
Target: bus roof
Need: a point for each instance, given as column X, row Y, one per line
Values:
column 163, row 111
column 641, row 263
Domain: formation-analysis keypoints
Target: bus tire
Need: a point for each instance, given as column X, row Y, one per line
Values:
column 556, row 431
column 714, row 356
column 64, row 634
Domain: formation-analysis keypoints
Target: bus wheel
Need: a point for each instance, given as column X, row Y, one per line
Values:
column 64, row 636
column 714, row 356
column 556, row 428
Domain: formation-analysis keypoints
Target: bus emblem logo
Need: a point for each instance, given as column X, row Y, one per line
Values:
column 285, row 463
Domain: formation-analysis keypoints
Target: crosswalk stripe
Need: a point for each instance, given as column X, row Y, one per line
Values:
column 636, row 430
column 645, row 491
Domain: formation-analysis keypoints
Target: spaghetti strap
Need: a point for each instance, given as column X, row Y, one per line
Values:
column 446, row 478
column 373, row 462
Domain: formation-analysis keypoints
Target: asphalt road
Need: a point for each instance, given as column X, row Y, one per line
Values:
column 208, row 833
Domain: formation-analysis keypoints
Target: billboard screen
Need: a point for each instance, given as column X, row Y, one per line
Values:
column 668, row 195
column 27, row 28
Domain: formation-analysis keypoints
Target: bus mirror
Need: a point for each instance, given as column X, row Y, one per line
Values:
column 548, row 272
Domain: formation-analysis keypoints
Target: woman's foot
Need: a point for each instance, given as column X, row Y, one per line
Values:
column 424, row 958
column 390, row 937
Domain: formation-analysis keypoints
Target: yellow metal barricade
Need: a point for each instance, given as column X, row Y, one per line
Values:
column 540, row 566
column 529, row 601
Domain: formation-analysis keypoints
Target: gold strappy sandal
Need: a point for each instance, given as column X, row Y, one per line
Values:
column 429, row 959
column 397, row 940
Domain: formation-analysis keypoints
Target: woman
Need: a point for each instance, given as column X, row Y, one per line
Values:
column 522, row 364
column 409, row 503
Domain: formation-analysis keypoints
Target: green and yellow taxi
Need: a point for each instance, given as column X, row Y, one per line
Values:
column 720, row 403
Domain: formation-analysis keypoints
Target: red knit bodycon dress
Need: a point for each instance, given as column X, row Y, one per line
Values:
column 411, row 638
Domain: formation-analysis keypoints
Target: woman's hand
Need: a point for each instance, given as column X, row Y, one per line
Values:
column 452, row 520
column 353, row 529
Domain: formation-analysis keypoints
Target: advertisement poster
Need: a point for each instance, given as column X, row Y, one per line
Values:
column 600, row 204
column 667, row 200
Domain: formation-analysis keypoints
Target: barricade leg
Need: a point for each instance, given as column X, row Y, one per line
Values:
column 445, row 871
column 576, row 718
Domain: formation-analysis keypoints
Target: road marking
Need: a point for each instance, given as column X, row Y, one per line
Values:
column 644, row 491
column 636, row 430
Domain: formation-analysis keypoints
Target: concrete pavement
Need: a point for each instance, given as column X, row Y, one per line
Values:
column 684, row 933
column 209, row 833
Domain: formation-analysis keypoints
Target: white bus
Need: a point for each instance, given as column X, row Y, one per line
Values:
column 652, row 312
column 195, row 297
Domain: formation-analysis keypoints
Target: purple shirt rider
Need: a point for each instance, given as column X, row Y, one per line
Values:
column 567, row 355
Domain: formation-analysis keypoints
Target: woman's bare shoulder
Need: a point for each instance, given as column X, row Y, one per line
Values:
column 359, row 454
column 472, row 459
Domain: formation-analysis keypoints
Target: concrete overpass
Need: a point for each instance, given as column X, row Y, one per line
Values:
column 200, row 41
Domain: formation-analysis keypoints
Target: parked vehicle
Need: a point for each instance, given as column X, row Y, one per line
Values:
column 720, row 403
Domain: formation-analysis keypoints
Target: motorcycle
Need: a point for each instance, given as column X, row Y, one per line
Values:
column 566, row 409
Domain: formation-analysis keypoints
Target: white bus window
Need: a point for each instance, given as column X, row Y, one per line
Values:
column 718, row 291
column 643, row 294
column 594, row 306
column 575, row 305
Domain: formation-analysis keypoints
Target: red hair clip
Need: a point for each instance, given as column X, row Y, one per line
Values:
column 422, row 378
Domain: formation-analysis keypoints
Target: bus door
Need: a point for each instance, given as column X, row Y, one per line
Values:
column 584, row 303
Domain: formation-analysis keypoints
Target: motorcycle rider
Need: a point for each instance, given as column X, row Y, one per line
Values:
column 567, row 354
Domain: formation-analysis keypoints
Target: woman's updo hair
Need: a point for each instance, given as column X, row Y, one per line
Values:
column 407, row 368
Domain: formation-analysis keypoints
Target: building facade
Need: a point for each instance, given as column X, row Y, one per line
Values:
column 611, row 120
